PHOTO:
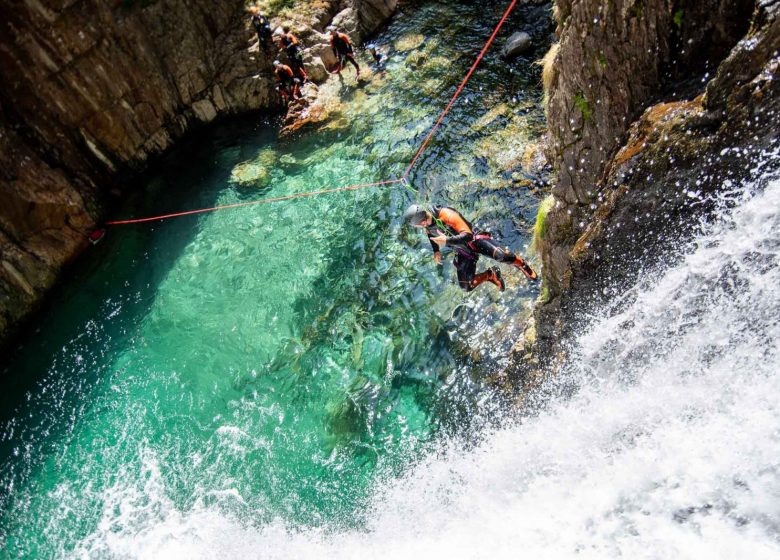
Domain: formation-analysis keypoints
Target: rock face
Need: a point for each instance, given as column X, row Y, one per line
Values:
column 92, row 90
column 647, row 109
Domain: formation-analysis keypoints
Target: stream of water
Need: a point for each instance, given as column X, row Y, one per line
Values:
column 273, row 365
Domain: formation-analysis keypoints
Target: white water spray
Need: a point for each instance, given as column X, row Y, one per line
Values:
column 670, row 447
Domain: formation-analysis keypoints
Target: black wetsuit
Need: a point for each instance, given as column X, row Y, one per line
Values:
column 286, row 81
column 294, row 54
column 343, row 50
column 467, row 242
column 263, row 28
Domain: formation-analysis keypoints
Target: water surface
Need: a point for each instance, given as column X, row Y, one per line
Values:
column 273, row 364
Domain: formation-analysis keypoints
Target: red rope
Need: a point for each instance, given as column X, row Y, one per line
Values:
column 460, row 88
column 254, row 202
column 350, row 187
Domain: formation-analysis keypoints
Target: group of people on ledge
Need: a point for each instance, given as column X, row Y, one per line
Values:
column 289, row 77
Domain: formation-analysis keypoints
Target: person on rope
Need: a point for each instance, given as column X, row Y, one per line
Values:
column 447, row 227
column 262, row 27
column 343, row 49
column 289, row 43
column 286, row 82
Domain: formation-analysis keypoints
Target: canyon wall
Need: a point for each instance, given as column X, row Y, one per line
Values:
column 92, row 90
column 654, row 106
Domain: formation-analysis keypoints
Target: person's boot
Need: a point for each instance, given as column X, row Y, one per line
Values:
column 525, row 268
column 492, row 275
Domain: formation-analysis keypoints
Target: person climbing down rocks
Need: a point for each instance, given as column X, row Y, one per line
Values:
column 289, row 43
column 343, row 49
column 262, row 27
column 380, row 59
column 286, row 82
column 447, row 227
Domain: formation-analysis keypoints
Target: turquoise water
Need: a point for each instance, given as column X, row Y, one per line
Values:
column 276, row 362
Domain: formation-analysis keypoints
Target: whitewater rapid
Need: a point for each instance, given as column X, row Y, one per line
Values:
column 669, row 447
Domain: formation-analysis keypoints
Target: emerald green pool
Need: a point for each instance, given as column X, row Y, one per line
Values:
column 276, row 362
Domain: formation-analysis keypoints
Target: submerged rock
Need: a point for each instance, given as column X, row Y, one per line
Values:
column 256, row 172
column 519, row 43
column 409, row 42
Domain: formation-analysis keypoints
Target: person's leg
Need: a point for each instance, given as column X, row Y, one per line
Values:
column 466, row 268
column 489, row 248
column 468, row 280
column 300, row 70
column 351, row 58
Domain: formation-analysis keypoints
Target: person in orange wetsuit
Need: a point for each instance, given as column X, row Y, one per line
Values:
column 447, row 227
column 343, row 49
column 286, row 82
column 289, row 43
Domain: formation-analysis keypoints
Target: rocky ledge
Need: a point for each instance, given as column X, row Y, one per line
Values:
column 92, row 91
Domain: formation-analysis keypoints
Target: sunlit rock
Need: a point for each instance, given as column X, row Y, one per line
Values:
column 409, row 42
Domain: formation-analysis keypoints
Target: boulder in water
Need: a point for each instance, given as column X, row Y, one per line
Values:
column 519, row 43
column 409, row 42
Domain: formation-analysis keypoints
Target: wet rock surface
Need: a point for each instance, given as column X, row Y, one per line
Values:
column 518, row 44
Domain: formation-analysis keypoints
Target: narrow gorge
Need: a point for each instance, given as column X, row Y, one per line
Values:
column 282, row 370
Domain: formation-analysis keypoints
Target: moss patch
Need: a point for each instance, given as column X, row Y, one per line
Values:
column 541, row 219
column 583, row 105
column 678, row 18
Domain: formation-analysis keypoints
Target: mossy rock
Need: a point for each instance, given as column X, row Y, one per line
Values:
column 409, row 42
column 256, row 171
column 540, row 227
column 431, row 87
column 416, row 59
column 500, row 110
column 437, row 64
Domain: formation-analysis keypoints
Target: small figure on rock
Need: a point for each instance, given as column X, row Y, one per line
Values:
column 289, row 43
column 379, row 58
column 262, row 27
column 287, row 84
column 447, row 227
column 343, row 49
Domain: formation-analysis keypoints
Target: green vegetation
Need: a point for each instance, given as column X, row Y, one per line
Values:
column 289, row 9
column 541, row 219
column 583, row 105
column 548, row 71
column 678, row 18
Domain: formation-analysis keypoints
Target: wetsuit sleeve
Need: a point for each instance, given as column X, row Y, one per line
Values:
column 454, row 220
